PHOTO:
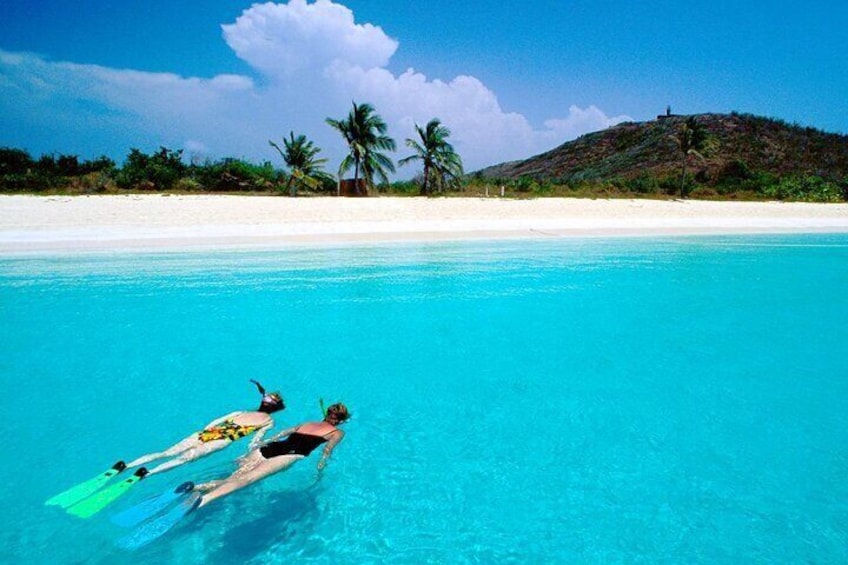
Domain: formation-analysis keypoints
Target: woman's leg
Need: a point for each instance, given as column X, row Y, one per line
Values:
column 184, row 445
column 254, row 468
column 197, row 451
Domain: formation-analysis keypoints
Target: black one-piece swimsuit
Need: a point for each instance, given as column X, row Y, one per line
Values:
column 295, row 444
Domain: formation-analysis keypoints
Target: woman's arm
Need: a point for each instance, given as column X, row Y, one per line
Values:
column 338, row 436
column 257, row 436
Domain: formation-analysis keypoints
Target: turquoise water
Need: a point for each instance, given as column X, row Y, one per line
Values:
column 662, row 400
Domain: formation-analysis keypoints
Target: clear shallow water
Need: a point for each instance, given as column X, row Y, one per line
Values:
column 680, row 399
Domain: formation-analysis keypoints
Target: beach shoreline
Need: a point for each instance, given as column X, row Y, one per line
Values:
column 139, row 222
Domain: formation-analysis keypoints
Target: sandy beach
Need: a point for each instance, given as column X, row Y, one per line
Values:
column 161, row 222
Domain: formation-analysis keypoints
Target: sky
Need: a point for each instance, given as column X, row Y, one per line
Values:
column 219, row 78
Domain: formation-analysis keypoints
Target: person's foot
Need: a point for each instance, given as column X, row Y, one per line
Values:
column 206, row 487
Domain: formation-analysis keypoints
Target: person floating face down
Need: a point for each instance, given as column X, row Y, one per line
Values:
column 219, row 433
column 279, row 454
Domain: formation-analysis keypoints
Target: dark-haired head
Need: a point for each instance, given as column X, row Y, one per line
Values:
column 272, row 402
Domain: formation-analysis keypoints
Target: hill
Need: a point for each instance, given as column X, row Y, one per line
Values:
column 740, row 148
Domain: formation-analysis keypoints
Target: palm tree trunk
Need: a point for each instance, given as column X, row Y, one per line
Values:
column 424, row 187
column 290, row 186
column 356, row 179
column 683, row 179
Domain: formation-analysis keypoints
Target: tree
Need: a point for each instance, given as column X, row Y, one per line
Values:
column 440, row 161
column 364, row 131
column 692, row 140
column 300, row 156
column 159, row 170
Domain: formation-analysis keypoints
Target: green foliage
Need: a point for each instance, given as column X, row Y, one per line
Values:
column 442, row 164
column 804, row 189
column 14, row 161
column 305, row 168
column 236, row 175
column 98, row 182
column 407, row 187
column 691, row 140
column 158, row 171
column 525, row 184
column 19, row 172
column 364, row 131
column 643, row 184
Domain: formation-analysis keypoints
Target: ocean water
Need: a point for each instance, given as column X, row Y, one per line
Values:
column 556, row 401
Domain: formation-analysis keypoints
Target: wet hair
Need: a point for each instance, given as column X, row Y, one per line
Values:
column 338, row 410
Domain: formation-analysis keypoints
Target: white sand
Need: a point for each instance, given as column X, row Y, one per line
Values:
column 90, row 223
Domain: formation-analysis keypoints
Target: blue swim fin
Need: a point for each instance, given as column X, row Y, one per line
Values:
column 152, row 506
column 85, row 489
column 159, row 526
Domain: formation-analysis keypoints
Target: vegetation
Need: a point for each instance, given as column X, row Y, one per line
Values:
column 742, row 157
column 301, row 157
column 441, row 163
column 364, row 131
column 691, row 139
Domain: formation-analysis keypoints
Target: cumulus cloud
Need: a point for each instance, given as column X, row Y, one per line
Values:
column 311, row 60
column 282, row 39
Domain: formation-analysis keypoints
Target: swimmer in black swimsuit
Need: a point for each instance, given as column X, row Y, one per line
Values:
column 278, row 455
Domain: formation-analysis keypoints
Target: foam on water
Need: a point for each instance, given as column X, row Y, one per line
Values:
column 677, row 399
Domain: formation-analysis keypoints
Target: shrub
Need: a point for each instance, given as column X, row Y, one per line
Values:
column 158, row 171
column 98, row 182
column 643, row 184
column 805, row 189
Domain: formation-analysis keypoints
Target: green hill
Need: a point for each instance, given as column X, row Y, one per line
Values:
column 743, row 153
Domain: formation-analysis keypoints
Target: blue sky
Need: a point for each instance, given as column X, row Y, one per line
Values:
column 509, row 79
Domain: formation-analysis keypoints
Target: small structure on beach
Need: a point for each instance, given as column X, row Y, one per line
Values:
column 351, row 187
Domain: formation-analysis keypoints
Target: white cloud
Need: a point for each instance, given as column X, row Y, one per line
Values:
column 580, row 121
column 313, row 60
column 281, row 39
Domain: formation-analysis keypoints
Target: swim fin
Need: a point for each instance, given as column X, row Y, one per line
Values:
column 84, row 489
column 99, row 500
column 160, row 525
column 151, row 507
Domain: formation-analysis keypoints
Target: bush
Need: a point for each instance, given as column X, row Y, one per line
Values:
column 235, row 175
column 804, row 189
column 525, row 184
column 643, row 184
column 188, row 185
column 158, row 171
column 92, row 183
column 15, row 161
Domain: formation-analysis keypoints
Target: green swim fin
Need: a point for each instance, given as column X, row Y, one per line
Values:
column 83, row 490
column 101, row 499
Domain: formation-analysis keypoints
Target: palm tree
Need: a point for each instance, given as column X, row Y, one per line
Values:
column 300, row 157
column 364, row 131
column 440, row 160
column 692, row 140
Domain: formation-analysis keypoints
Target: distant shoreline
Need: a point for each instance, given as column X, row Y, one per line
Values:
column 63, row 224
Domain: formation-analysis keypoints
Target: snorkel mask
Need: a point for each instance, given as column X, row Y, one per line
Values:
column 271, row 401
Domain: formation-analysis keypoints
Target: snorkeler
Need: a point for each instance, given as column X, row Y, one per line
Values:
column 279, row 454
column 219, row 434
